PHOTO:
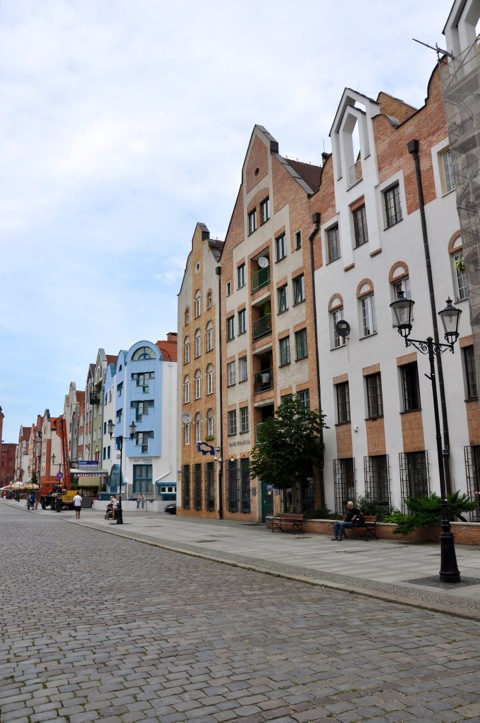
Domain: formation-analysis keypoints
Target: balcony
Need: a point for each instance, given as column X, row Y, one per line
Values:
column 261, row 278
column 262, row 326
column 263, row 381
column 94, row 398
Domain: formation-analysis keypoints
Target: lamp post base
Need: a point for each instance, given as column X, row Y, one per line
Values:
column 449, row 571
column 119, row 515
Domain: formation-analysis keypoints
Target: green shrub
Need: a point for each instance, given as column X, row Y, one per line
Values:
column 370, row 506
column 425, row 510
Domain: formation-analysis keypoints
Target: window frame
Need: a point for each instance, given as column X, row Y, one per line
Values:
column 284, row 354
column 411, row 400
column 282, row 299
column 392, row 205
column 360, row 227
column 374, row 394
column 447, row 171
column 242, row 321
column 342, row 398
column 265, row 210
column 231, row 374
column 280, row 247
column 368, row 315
column 252, row 221
column 231, row 328
column 333, row 243
column 241, row 276
column 471, row 387
column 298, row 285
column 301, row 344
column 232, row 423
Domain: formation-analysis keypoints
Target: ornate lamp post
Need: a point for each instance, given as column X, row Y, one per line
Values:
column 119, row 442
column 450, row 317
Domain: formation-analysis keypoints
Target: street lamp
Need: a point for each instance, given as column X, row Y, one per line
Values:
column 119, row 441
column 450, row 316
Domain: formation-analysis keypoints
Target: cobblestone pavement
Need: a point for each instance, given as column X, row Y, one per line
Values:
column 101, row 627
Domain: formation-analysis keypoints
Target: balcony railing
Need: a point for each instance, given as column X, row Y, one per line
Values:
column 263, row 381
column 94, row 398
column 261, row 278
column 262, row 326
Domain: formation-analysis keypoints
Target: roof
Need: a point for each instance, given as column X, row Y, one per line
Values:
column 168, row 349
column 309, row 172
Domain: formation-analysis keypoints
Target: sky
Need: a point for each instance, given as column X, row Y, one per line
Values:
column 123, row 123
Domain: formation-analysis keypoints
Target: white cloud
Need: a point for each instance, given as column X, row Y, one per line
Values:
column 123, row 124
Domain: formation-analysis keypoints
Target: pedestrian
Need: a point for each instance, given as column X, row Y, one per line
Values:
column 77, row 505
column 350, row 517
column 139, row 500
column 114, row 503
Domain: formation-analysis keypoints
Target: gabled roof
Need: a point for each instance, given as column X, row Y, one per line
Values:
column 310, row 173
column 168, row 349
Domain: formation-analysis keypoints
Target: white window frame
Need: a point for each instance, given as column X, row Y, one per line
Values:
column 243, row 369
column 284, row 351
column 368, row 315
column 241, row 276
column 280, row 247
column 298, row 284
column 231, row 374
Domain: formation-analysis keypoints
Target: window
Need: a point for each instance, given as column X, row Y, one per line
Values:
column 141, row 408
column 210, row 423
column 186, row 434
column 209, row 300
column 284, row 347
column 210, row 379
column 413, row 474
column 460, row 276
column 264, row 210
column 243, row 420
column 304, row 397
column 229, row 288
column 447, row 172
column 403, row 285
column 186, row 351
column 369, row 315
column 187, row 316
column 333, row 244
column 343, row 403
column 280, row 249
column 119, row 389
column 141, row 440
column 198, row 344
column 377, row 485
column 198, row 428
column 298, row 289
column 393, row 210
column 197, row 305
column 186, row 390
column 252, row 221
column 232, row 422
column 282, row 299
column 298, row 240
column 242, row 321
column 231, row 373
column 338, row 340
column 144, row 352
column 241, row 276
column 230, row 328
column 470, row 373
column 242, row 369
column 301, row 344
column 209, row 336
column 360, row 226
column 410, row 387
column 374, row 396
column 142, row 379
column 198, row 384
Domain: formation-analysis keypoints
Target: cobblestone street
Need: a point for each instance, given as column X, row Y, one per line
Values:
column 100, row 627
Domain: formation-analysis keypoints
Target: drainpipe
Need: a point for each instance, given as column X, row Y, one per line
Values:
column 218, row 271
column 413, row 147
column 316, row 217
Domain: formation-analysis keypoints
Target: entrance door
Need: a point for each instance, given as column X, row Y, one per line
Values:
column 267, row 501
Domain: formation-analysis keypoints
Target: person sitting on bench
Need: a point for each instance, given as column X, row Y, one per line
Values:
column 340, row 525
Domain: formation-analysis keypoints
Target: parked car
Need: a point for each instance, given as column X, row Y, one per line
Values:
column 171, row 509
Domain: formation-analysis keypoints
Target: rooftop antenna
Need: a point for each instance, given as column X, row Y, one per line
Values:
column 436, row 48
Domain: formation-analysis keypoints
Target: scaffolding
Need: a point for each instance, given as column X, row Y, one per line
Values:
column 461, row 96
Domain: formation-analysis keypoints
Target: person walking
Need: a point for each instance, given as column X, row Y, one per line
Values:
column 77, row 505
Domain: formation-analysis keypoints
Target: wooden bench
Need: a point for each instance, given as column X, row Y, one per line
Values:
column 288, row 521
column 369, row 529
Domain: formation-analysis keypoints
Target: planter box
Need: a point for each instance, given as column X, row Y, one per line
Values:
column 465, row 533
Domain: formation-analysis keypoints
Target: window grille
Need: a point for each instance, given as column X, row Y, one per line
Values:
column 414, row 479
column 344, row 483
column 472, row 469
column 210, row 476
column 186, row 487
column 198, row 486
column 377, row 479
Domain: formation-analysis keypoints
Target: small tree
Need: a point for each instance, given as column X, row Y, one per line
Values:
column 289, row 445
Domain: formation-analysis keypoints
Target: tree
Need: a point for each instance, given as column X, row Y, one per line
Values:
column 289, row 445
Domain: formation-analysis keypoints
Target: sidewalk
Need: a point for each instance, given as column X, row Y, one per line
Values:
column 394, row 571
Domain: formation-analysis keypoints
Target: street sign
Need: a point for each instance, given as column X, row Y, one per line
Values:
column 59, row 475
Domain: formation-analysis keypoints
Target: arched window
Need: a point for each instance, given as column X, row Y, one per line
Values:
column 186, row 350
column 198, row 427
column 209, row 336
column 186, row 389
column 144, row 352
column 198, row 384
column 210, row 423
column 367, row 310
column 198, row 304
column 209, row 300
column 198, row 343
column 458, row 268
column 187, row 316
column 210, row 379
column 335, row 308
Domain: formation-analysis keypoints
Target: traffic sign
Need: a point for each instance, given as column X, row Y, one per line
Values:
column 59, row 475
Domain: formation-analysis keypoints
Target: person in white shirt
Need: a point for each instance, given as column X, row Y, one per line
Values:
column 77, row 505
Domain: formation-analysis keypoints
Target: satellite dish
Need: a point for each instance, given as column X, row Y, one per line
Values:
column 186, row 418
column 343, row 328
column 263, row 262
